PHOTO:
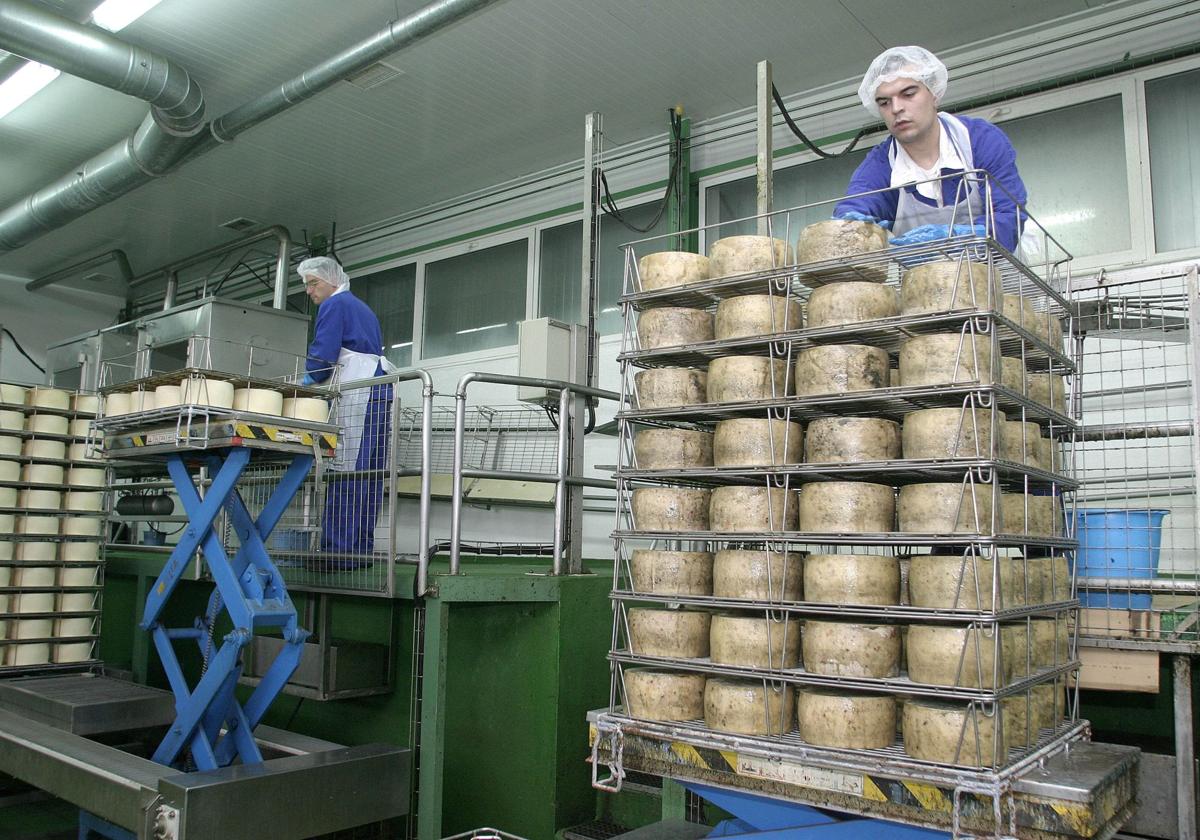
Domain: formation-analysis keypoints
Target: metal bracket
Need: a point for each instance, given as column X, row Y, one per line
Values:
column 615, row 764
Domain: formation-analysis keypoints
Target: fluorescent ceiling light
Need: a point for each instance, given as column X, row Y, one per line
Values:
column 402, row 344
column 481, row 329
column 23, row 84
column 115, row 15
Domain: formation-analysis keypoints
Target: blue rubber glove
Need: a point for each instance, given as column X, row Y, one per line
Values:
column 931, row 233
column 855, row 216
column 308, row 380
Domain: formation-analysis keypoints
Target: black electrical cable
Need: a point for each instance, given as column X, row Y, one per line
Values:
column 787, row 118
column 608, row 203
column 21, row 349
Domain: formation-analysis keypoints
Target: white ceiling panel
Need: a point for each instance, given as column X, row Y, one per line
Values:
column 494, row 97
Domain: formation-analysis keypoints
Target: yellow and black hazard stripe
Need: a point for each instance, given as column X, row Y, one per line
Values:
column 253, row 431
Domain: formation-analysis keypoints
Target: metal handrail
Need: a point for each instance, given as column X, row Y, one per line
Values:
column 561, row 479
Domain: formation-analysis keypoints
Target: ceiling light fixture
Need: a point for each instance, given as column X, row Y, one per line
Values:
column 115, row 15
column 23, row 84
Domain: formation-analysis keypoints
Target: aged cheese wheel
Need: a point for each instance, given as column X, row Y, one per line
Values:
column 80, row 428
column 666, row 449
column 80, row 552
column 82, row 526
column 117, row 404
column 945, row 358
column 31, row 628
column 852, row 579
column 10, row 445
column 84, row 477
column 168, row 396
column 671, row 268
column 1017, row 653
column 1028, row 441
column 741, row 378
column 50, row 450
column 945, row 508
column 851, row 440
column 852, row 302
column 894, row 380
column 939, row 433
column 84, row 452
column 51, row 424
column 9, row 470
column 86, row 500
column 1049, row 579
column 748, row 707
column 82, row 576
column 950, row 733
column 664, row 695
column 842, row 649
column 1012, row 374
column 35, row 577
column 142, row 401
column 41, row 499
column 1043, row 325
column 846, row 720
column 842, row 238
column 957, row 583
column 751, row 509
column 673, row 326
column 1048, row 389
column 838, row 368
column 1048, row 455
column 944, row 286
column 42, row 473
column 970, row 657
column 37, row 552
column 206, row 391
column 43, row 397
column 847, row 507
column 1011, row 445
column 12, row 421
column 1048, row 641
column 678, row 634
column 8, row 497
column 672, row 572
column 758, row 575
column 750, row 442
column 7, row 524
column 670, row 387
column 311, row 409
column 258, row 401
column 743, row 254
column 1049, row 705
column 43, row 525
column 12, row 394
column 670, row 509
column 85, row 403
column 753, row 641
column 1037, row 516
column 753, row 315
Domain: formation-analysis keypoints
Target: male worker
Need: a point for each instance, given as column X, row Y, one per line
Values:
column 347, row 335
column 904, row 85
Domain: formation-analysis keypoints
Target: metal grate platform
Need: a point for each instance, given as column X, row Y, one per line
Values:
column 88, row 704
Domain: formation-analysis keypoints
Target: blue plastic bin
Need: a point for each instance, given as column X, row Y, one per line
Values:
column 1117, row 544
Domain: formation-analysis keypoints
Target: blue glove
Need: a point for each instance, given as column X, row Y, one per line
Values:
column 855, row 216
column 308, row 380
column 931, row 233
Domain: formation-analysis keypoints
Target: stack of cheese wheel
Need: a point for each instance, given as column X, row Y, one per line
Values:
column 841, row 239
column 34, row 587
column 72, row 626
column 668, row 269
column 735, row 255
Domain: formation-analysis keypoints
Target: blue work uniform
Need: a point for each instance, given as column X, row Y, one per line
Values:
column 354, row 491
column 989, row 150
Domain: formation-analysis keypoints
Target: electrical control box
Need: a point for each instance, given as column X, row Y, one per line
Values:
column 549, row 349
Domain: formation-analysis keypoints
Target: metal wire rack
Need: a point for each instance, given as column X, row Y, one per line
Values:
column 1137, row 460
column 517, row 438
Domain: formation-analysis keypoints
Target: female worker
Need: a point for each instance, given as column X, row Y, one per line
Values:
column 347, row 337
column 904, row 85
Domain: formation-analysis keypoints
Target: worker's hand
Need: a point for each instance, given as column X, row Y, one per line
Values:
column 931, row 233
column 855, row 216
column 308, row 380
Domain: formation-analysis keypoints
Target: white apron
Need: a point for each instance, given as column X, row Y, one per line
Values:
column 911, row 213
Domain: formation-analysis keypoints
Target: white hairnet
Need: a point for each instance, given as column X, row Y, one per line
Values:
column 325, row 268
column 916, row 63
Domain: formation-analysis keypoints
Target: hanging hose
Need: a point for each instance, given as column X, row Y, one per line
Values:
column 609, row 204
column 787, row 118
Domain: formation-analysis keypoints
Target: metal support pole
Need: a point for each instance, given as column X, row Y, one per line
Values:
column 456, row 478
column 426, row 482
column 679, row 212
column 1185, row 746
column 560, row 489
column 172, row 290
column 765, row 148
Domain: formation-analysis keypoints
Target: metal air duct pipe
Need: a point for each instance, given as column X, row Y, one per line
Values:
column 176, row 114
column 169, row 134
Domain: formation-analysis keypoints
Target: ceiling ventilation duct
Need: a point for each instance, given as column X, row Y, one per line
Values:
column 173, row 131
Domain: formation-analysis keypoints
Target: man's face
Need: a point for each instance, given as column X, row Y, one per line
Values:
column 908, row 109
column 318, row 290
